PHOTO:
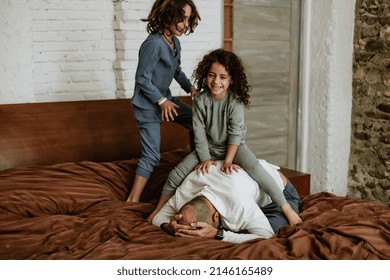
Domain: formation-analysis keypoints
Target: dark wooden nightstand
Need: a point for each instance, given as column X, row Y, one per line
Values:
column 300, row 180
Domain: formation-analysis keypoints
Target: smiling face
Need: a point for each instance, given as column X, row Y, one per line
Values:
column 218, row 80
column 180, row 28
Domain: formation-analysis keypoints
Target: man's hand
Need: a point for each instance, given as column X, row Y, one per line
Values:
column 199, row 229
column 168, row 111
column 174, row 227
column 204, row 166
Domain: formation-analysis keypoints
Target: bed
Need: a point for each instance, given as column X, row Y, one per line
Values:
column 66, row 169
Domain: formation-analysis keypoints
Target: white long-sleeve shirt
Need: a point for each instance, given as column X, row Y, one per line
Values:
column 236, row 197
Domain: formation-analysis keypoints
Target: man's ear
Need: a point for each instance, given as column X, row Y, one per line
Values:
column 216, row 217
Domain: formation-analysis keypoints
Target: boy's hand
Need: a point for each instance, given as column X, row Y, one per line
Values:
column 168, row 111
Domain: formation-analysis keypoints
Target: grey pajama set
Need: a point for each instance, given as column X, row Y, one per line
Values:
column 158, row 65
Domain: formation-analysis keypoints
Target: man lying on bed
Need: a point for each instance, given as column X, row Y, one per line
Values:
column 225, row 207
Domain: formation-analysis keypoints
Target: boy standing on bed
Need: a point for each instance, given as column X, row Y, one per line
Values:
column 219, row 129
column 159, row 62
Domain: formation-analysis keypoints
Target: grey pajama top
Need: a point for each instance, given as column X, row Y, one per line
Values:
column 217, row 123
column 158, row 65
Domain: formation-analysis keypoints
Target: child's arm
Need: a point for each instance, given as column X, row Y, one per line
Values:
column 236, row 130
column 228, row 166
column 183, row 81
column 200, row 134
column 193, row 91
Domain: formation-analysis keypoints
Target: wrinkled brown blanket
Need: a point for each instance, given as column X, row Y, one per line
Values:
column 78, row 211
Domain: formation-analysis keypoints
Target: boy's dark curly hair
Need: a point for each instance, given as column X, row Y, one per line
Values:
column 165, row 13
column 234, row 67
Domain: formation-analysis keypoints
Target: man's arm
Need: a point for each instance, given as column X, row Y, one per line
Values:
column 207, row 231
column 253, row 221
column 230, row 236
column 253, row 224
column 163, row 200
column 164, row 215
column 164, row 219
column 167, row 218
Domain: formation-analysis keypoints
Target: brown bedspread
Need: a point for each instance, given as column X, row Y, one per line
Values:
column 78, row 211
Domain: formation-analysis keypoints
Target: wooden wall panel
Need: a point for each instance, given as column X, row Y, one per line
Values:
column 266, row 36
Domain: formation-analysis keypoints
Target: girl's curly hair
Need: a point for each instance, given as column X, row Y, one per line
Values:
column 165, row 13
column 234, row 67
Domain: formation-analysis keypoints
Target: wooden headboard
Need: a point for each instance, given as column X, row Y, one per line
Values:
column 57, row 132
column 98, row 130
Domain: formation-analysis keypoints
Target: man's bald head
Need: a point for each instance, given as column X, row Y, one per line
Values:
column 199, row 209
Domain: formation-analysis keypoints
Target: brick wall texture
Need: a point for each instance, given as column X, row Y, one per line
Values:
column 73, row 48
column 58, row 50
column 369, row 175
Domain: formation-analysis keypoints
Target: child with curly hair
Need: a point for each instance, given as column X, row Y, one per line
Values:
column 158, row 64
column 219, row 129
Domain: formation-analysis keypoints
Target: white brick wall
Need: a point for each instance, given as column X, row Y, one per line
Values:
column 72, row 50
column 16, row 57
